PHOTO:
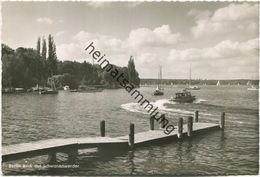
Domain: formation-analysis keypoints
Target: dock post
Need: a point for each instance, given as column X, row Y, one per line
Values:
column 132, row 136
column 152, row 123
column 102, row 128
column 222, row 121
column 196, row 116
column 180, row 127
column 52, row 159
column 190, row 125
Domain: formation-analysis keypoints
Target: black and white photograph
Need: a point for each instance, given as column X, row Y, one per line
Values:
column 130, row 88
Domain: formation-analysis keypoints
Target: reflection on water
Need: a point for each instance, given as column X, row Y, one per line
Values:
column 28, row 117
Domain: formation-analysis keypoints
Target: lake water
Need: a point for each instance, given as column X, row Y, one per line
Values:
column 32, row 117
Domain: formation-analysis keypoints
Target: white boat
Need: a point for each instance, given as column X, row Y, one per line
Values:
column 190, row 87
column 51, row 90
column 252, row 88
column 218, row 84
column 66, row 88
column 159, row 90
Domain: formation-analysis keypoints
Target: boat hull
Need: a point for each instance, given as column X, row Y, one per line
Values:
column 45, row 92
column 158, row 93
column 184, row 100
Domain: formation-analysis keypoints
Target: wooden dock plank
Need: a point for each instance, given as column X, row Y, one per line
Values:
column 153, row 135
column 42, row 147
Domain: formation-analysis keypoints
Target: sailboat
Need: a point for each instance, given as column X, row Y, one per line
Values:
column 252, row 87
column 218, row 84
column 192, row 87
column 51, row 90
column 159, row 90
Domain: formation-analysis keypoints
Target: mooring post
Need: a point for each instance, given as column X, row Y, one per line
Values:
column 180, row 127
column 152, row 123
column 163, row 125
column 52, row 159
column 196, row 116
column 132, row 136
column 102, row 128
column 222, row 121
column 190, row 125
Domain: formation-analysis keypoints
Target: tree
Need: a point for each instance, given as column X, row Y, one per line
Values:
column 44, row 49
column 38, row 47
column 52, row 58
column 8, row 63
column 44, row 69
column 132, row 73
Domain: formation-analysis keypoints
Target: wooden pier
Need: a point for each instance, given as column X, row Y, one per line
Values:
column 71, row 146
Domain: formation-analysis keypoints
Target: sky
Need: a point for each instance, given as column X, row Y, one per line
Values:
column 218, row 40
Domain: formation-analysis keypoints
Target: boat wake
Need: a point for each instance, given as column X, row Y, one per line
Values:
column 135, row 107
column 199, row 100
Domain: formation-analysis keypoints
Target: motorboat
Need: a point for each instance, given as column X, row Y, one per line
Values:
column 183, row 97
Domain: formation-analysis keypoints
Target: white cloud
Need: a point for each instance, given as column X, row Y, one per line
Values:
column 224, row 50
column 99, row 4
column 139, row 40
column 133, row 4
column 60, row 33
column 44, row 20
column 70, row 51
column 151, row 48
column 160, row 36
column 105, row 43
column 239, row 19
column 225, row 59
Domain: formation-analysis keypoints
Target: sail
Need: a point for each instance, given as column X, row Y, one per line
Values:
column 160, row 78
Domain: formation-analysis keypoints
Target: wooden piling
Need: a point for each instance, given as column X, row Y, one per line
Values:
column 222, row 121
column 52, row 159
column 131, row 136
column 190, row 126
column 102, row 128
column 152, row 123
column 180, row 127
column 196, row 116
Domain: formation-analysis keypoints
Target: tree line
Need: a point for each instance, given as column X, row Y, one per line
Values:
column 27, row 67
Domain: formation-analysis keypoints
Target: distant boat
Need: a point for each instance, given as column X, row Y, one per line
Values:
column 172, row 85
column 66, row 88
column 36, row 88
column 218, row 84
column 248, row 83
column 183, row 97
column 48, row 91
column 252, row 88
column 19, row 90
column 8, row 90
column 51, row 90
column 192, row 87
column 159, row 90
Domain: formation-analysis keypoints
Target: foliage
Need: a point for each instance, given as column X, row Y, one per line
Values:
column 133, row 74
column 26, row 67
